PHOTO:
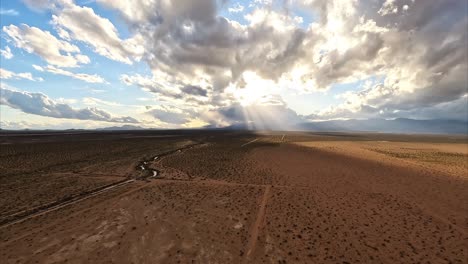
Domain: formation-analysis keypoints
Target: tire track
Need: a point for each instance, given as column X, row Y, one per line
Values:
column 25, row 215
column 80, row 211
column 254, row 230
column 252, row 141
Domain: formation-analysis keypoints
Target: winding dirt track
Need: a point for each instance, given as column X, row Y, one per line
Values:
column 44, row 209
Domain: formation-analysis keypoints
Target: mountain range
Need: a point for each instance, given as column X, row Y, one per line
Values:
column 399, row 125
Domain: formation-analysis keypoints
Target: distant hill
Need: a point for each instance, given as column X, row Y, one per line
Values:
column 124, row 127
column 399, row 125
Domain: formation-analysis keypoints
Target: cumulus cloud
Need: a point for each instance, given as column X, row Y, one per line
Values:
column 173, row 89
column 97, row 32
column 420, row 53
column 40, row 104
column 417, row 47
column 34, row 40
column 6, row 74
column 189, row 45
column 215, row 66
column 422, row 59
column 90, row 78
column 6, row 53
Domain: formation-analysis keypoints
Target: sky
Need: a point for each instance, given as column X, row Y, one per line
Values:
column 264, row 63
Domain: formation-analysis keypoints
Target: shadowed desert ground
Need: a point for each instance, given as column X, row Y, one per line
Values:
column 226, row 197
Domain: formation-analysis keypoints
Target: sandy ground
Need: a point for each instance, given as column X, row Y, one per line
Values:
column 159, row 222
column 345, row 209
column 448, row 158
column 274, row 200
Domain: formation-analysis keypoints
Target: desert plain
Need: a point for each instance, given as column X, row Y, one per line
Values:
column 232, row 197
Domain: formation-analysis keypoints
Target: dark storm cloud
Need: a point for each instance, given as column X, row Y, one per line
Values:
column 170, row 116
column 194, row 90
column 265, row 116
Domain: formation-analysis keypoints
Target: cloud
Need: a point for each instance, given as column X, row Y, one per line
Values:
column 45, row 45
column 97, row 32
column 236, row 8
column 190, row 45
column 97, row 101
column 418, row 50
column 170, row 115
column 423, row 65
column 6, row 53
column 444, row 98
column 6, row 74
column 16, row 124
column 194, row 90
column 454, row 110
column 8, row 12
column 40, row 104
column 38, row 5
column 268, row 116
column 90, row 78
column 171, row 89
column 213, row 65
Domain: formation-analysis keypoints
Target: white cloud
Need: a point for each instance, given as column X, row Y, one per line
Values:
column 388, row 7
column 350, row 41
column 5, row 74
column 41, row 122
column 135, row 11
column 97, row 32
column 34, row 40
column 172, row 89
column 96, row 101
column 40, row 104
column 62, row 100
column 261, row 3
column 17, row 124
column 38, row 5
column 6, row 53
column 237, row 8
column 8, row 12
column 90, row 78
